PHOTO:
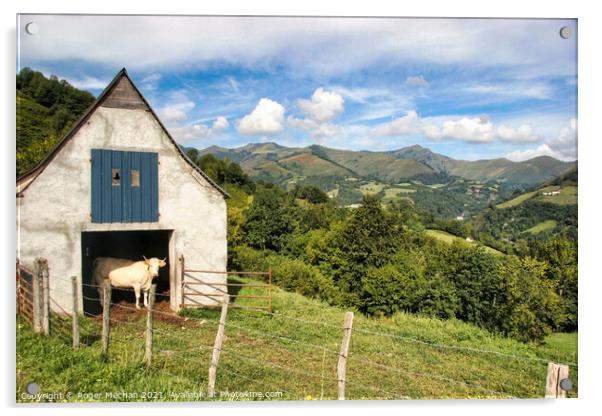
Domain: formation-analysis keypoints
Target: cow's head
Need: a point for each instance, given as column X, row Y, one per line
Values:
column 154, row 264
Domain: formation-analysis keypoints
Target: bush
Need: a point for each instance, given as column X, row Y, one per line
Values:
column 385, row 291
column 289, row 274
column 296, row 275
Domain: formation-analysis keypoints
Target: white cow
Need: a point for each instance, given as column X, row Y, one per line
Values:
column 124, row 273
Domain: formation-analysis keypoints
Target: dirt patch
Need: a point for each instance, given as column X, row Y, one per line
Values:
column 124, row 311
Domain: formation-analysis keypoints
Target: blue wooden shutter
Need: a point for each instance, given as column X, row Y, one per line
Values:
column 119, row 201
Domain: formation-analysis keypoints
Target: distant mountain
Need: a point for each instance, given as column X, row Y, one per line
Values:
column 273, row 162
column 530, row 172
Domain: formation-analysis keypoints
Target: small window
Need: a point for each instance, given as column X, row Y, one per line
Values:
column 116, row 177
column 135, row 178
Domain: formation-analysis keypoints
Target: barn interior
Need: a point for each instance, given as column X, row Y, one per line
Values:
column 132, row 245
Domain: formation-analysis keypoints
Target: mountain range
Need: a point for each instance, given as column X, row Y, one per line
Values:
column 277, row 163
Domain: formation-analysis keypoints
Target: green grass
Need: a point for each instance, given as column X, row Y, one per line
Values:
column 564, row 343
column 389, row 358
column 567, row 196
column 542, row 226
column 450, row 238
column 371, row 188
column 516, row 201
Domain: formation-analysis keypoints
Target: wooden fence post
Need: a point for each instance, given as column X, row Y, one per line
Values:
column 106, row 307
column 19, row 303
column 75, row 312
column 556, row 373
column 342, row 366
column 39, row 265
column 217, row 347
column 270, row 289
column 182, row 279
column 148, row 353
column 46, row 300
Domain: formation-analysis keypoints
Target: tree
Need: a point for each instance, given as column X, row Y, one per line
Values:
column 270, row 220
column 311, row 194
column 561, row 255
column 369, row 238
column 531, row 308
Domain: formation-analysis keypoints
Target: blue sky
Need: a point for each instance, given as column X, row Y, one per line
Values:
column 467, row 88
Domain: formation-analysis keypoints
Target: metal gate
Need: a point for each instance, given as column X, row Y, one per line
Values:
column 195, row 289
column 25, row 292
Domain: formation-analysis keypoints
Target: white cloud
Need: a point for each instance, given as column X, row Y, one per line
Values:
column 467, row 129
column 536, row 90
column 267, row 118
column 198, row 131
column 190, row 132
column 323, row 105
column 325, row 130
column 149, row 82
column 407, row 124
column 318, row 130
column 416, row 81
column 88, row 83
column 175, row 112
column 566, row 142
column 470, row 130
column 522, row 134
column 541, row 150
column 301, row 123
column 432, row 131
column 334, row 45
column 220, row 123
column 563, row 147
column 360, row 95
column 171, row 114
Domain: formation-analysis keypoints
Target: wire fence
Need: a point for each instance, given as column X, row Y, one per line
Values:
column 313, row 341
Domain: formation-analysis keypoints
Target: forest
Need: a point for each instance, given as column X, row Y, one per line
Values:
column 46, row 110
column 377, row 259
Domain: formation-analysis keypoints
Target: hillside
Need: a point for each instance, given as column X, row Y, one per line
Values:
column 46, row 110
column 450, row 239
column 548, row 210
column 319, row 161
column 437, row 184
column 561, row 191
column 293, row 351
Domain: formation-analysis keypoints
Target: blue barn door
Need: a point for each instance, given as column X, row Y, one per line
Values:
column 125, row 186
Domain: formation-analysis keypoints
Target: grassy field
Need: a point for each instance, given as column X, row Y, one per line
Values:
column 518, row 200
column 542, row 226
column 450, row 238
column 371, row 188
column 567, row 196
column 565, row 343
column 294, row 352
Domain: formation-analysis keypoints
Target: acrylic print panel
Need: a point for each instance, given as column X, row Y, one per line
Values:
column 295, row 208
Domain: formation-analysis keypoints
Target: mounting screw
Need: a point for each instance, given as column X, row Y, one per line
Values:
column 566, row 384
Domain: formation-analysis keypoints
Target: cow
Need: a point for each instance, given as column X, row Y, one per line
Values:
column 123, row 273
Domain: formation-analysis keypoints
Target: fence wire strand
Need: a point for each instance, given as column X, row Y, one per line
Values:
column 261, row 334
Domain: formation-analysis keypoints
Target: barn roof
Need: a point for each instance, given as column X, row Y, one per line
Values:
column 120, row 93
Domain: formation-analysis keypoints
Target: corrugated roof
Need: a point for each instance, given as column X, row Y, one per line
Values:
column 28, row 177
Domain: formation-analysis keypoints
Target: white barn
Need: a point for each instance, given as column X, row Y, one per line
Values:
column 118, row 185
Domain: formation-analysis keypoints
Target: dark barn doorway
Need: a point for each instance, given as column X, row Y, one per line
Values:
column 130, row 245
